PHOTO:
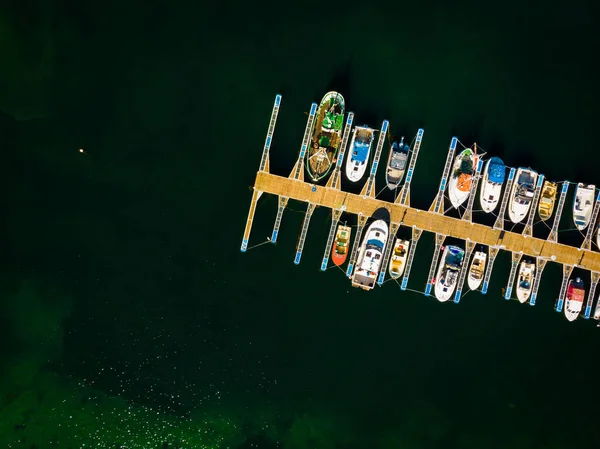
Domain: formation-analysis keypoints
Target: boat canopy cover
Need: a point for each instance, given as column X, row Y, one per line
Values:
column 360, row 150
column 376, row 243
column 496, row 170
column 455, row 256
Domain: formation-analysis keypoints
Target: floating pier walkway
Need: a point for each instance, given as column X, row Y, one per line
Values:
column 433, row 220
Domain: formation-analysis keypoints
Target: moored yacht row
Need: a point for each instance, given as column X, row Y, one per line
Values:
column 522, row 192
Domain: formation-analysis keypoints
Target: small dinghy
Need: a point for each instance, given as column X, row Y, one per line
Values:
column 398, row 259
column 477, row 270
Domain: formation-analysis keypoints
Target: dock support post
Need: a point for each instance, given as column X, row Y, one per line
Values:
column 468, row 215
column 499, row 223
column 561, row 202
column 464, row 268
column 298, row 170
column 359, row 230
column 334, row 179
column 335, row 218
column 592, row 225
column 264, row 161
column 597, row 311
column 309, row 210
column 404, row 197
column 416, row 234
column 492, row 253
column 515, row 258
column 370, row 185
column 255, row 196
column 439, row 239
column 280, row 208
column 591, row 294
column 567, row 270
column 388, row 251
column 533, row 207
column 540, row 264
column 439, row 197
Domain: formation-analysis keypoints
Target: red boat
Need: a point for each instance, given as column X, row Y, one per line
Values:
column 339, row 252
column 575, row 297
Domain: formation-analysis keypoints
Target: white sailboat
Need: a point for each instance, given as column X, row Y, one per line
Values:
column 370, row 255
column 583, row 205
column 461, row 177
column 491, row 184
column 448, row 271
column 521, row 194
column 525, row 281
column 360, row 147
column 574, row 299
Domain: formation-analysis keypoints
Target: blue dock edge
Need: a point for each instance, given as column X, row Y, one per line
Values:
column 457, row 296
column 277, row 99
column 297, row 258
column 508, row 293
column 313, row 108
column 484, row 288
column 380, row 279
column 244, row 246
column 532, row 300
column 428, row 290
column 274, row 236
column 588, row 312
column 349, row 270
column 404, row 283
column 559, row 305
column 324, row 263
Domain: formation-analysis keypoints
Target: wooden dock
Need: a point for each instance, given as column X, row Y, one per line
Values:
column 433, row 220
column 427, row 221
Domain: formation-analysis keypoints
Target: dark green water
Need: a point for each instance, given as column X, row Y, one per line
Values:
column 131, row 319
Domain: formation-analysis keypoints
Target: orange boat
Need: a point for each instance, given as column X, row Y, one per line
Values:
column 339, row 252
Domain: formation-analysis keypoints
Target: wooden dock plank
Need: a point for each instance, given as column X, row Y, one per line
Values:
column 427, row 221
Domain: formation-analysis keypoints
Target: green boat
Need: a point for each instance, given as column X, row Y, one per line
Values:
column 326, row 137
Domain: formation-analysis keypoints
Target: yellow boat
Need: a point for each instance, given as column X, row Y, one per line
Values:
column 398, row 260
column 547, row 199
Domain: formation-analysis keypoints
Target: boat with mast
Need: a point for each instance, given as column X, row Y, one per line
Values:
column 574, row 299
column 583, row 204
column 522, row 193
column 326, row 137
column 370, row 256
column 459, row 185
column 448, row 271
column 525, row 280
column 360, row 148
column 491, row 186
column 396, row 165
column 547, row 200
